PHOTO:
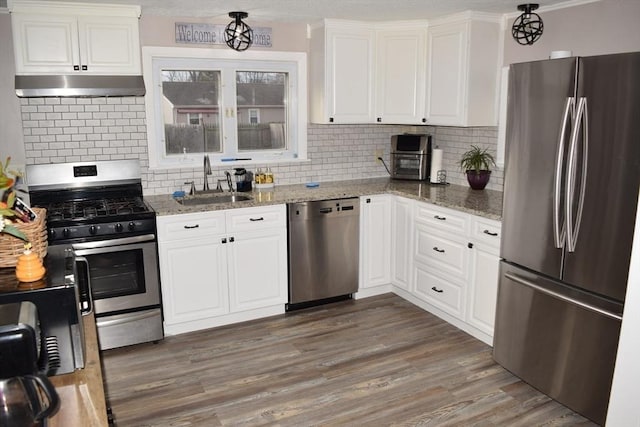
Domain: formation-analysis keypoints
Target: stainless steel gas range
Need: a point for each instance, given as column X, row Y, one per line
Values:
column 103, row 231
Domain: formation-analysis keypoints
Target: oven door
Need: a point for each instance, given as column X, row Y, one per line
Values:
column 119, row 274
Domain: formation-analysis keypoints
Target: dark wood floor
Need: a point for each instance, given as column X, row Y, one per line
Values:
column 378, row 361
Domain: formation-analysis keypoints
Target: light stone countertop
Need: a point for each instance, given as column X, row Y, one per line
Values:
column 484, row 203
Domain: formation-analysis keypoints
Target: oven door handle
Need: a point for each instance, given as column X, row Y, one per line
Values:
column 114, row 242
column 84, row 286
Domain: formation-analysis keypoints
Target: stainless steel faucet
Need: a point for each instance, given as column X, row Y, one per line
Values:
column 229, row 181
column 207, row 171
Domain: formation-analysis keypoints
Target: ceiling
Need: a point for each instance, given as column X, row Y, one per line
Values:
column 314, row 10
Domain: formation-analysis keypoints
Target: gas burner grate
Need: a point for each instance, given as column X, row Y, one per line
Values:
column 86, row 209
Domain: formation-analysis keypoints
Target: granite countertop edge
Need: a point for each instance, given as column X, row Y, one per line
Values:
column 483, row 203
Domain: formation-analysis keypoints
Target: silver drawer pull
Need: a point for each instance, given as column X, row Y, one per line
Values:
column 256, row 219
column 490, row 233
column 440, row 218
column 189, row 227
column 437, row 290
column 437, row 249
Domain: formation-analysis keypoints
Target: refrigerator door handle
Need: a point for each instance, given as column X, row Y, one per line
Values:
column 573, row 228
column 557, row 295
column 559, row 229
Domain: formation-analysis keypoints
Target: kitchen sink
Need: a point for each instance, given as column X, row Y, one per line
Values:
column 207, row 200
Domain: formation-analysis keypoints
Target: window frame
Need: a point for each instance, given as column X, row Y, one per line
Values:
column 156, row 58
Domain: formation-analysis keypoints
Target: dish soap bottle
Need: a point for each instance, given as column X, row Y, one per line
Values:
column 29, row 267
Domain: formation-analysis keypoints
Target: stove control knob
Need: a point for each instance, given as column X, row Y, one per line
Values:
column 119, row 227
column 52, row 234
column 66, row 232
column 93, row 230
column 131, row 226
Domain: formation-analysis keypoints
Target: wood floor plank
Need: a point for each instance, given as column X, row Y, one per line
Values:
column 376, row 361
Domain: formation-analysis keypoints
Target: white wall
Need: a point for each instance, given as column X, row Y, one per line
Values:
column 11, row 140
column 606, row 26
column 624, row 410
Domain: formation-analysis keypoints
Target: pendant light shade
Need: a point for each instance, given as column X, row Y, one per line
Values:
column 238, row 35
column 527, row 28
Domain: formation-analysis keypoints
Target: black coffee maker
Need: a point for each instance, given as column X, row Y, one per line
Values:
column 28, row 396
column 243, row 179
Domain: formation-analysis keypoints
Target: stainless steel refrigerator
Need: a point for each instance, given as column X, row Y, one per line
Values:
column 572, row 176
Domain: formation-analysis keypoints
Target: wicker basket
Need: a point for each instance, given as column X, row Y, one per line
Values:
column 11, row 247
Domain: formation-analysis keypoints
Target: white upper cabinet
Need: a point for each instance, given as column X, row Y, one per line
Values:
column 342, row 73
column 400, row 73
column 71, row 38
column 462, row 70
column 440, row 72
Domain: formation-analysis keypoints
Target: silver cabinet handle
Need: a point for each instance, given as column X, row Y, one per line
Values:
column 557, row 295
column 559, row 229
column 573, row 224
column 84, row 288
column 130, row 318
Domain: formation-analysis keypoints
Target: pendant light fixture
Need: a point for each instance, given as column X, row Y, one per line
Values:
column 238, row 35
column 527, row 28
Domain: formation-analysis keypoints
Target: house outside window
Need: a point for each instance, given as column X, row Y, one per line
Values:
column 214, row 103
column 254, row 116
column 195, row 118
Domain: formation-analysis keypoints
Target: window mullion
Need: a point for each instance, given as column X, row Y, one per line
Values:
column 229, row 105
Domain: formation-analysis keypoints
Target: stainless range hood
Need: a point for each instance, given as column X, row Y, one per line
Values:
column 79, row 86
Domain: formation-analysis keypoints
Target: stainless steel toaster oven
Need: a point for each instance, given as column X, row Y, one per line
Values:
column 411, row 156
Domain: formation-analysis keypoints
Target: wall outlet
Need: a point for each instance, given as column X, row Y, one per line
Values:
column 377, row 153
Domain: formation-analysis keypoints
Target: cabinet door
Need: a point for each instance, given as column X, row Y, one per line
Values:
column 447, row 48
column 375, row 241
column 194, row 279
column 483, row 288
column 400, row 76
column 109, row 46
column 350, row 75
column 401, row 242
column 45, row 43
column 257, row 269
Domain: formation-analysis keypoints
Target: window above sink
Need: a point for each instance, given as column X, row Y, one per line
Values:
column 213, row 102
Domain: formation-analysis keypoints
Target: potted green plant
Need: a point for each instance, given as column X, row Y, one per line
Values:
column 476, row 163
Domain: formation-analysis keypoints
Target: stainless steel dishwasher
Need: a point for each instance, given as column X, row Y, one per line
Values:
column 323, row 251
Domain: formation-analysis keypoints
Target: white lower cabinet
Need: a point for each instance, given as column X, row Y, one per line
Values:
column 222, row 267
column 375, row 244
column 256, row 270
column 484, row 269
column 401, row 242
column 455, row 267
column 189, row 268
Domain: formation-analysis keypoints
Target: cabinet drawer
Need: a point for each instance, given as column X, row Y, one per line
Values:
column 187, row 226
column 442, row 218
column 245, row 219
column 486, row 231
column 438, row 291
column 441, row 252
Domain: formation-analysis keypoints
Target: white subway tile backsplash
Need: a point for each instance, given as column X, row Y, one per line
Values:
column 84, row 129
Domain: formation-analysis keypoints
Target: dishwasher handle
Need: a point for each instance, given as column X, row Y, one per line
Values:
column 325, row 210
